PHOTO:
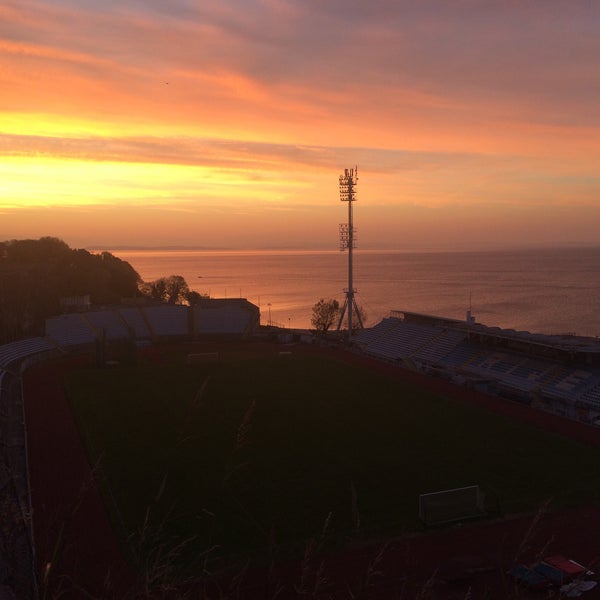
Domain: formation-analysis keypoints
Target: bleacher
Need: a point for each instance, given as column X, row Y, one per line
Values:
column 462, row 354
column 168, row 320
column 220, row 316
column 222, row 320
column 135, row 322
column 571, row 384
column 70, row 330
column 442, row 346
column 397, row 340
column 533, row 370
column 108, row 321
column 367, row 337
column 591, row 395
column 15, row 351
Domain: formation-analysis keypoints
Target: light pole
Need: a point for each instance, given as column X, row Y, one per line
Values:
column 348, row 183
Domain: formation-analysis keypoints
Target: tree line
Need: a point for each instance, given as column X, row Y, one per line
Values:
column 36, row 274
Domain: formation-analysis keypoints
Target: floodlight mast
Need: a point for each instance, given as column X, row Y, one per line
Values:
column 348, row 182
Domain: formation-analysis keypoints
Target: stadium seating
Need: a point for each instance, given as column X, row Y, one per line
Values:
column 398, row 340
column 571, row 384
column 462, row 354
column 108, row 321
column 367, row 337
column 222, row 320
column 168, row 321
column 591, row 396
column 440, row 346
column 70, row 330
column 20, row 349
column 135, row 322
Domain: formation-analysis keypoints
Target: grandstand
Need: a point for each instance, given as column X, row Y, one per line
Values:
column 160, row 322
column 165, row 322
column 560, row 374
column 225, row 316
column 17, row 351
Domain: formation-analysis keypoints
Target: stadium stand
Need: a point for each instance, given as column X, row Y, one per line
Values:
column 109, row 321
column 367, row 338
column 210, row 317
column 225, row 316
column 70, row 330
column 167, row 321
column 135, row 322
column 15, row 351
column 557, row 373
column 395, row 341
column 592, row 395
column 461, row 355
column 440, row 346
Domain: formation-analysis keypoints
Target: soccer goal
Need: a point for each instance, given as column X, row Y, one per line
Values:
column 449, row 506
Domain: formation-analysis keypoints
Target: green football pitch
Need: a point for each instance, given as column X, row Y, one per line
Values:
column 236, row 457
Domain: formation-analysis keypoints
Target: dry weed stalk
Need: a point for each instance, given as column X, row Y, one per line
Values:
column 313, row 580
column 245, row 426
column 157, row 560
column 305, row 569
column 527, row 540
column 355, row 511
column 426, row 590
column 372, row 572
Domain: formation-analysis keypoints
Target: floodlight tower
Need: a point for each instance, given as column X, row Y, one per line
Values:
column 348, row 182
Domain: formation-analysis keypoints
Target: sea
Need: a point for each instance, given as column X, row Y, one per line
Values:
column 549, row 290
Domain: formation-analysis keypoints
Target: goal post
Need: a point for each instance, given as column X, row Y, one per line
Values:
column 452, row 505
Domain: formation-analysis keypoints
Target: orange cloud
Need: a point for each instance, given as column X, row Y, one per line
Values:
column 252, row 108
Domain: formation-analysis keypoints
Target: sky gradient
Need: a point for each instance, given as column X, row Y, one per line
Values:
column 226, row 123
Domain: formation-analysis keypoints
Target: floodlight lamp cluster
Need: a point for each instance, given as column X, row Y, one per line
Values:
column 347, row 240
column 348, row 182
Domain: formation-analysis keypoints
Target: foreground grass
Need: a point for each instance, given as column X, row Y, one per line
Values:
column 248, row 454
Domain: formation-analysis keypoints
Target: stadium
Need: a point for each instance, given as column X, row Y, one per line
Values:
column 530, row 401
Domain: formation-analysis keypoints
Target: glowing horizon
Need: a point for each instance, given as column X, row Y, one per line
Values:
column 471, row 125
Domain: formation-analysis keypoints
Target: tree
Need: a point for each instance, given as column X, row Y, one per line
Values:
column 324, row 314
column 193, row 297
column 172, row 289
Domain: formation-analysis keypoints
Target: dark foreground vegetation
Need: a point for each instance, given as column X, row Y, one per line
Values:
column 205, row 465
column 36, row 274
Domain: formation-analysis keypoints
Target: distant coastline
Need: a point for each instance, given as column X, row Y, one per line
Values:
column 366, row 248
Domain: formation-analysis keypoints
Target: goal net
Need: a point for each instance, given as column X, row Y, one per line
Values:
column 451, row 505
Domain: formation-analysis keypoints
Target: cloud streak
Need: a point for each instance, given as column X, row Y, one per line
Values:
column 438, row 102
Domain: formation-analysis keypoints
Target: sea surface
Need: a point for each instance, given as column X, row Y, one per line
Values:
column 543, row 290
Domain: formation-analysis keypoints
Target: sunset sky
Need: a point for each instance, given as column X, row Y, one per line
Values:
column 226, row 123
